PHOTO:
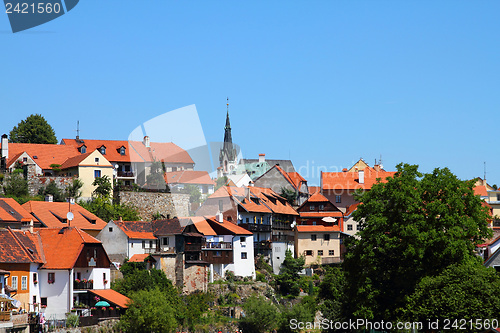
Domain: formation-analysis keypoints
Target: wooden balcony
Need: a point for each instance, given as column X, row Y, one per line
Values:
column 5, row 316
column 125, row 174
column 160, row 250
column 283, row 238
column 192, row 247
column 256, row 227
column 217, row 246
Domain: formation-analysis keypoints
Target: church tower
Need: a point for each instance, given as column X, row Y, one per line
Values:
column 228, row 154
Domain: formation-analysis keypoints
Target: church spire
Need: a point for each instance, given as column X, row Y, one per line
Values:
column 227, row 128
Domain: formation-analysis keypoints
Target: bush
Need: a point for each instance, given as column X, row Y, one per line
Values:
column 72, row 320
column 260, row 277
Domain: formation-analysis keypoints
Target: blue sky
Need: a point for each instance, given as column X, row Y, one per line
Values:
column 320, row 82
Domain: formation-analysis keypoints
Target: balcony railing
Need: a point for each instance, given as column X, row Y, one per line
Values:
column 124, row 174
column 5, row 315
column 283, row 238
column 192, row 247
column 83, row 285
column 282, row 225
column 266, row 245
column 256, row 227
column 218, row 246
column 161, row 250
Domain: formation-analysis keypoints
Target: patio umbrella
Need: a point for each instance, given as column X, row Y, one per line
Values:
column 329, row 219
column 102, row 303
column 5, row 298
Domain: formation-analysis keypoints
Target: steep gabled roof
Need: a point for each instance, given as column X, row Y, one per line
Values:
column 481, row 191
column 62, row 246
column 188, row 177
column 112, row 149
column 209, row 226
column 11, row 211
column 167, row 152
column 136, row 229
column 74, row 161
column 168, row 227
column 318, row 197
column 20, row 246
column 53, row 215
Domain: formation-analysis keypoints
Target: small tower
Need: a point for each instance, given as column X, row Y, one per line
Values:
column 228, row 154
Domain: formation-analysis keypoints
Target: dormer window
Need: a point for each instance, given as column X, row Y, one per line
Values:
column 102, row 150
column 122, row 151
column 83, row 149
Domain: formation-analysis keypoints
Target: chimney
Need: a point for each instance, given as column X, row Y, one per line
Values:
column 361, row 174
column 247, row 193
column 49, row 198
column 219, row 217
column 27, row 226
column 146, row 142
column 5, row 147
column 262, row 158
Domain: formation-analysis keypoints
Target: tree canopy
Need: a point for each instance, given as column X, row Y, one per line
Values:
column 35, row 129
column 288, row 279
column 413, row 226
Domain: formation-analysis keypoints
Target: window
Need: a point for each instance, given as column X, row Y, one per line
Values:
column 43, row 300
column 34, row 299
column 165, row 241
column 326, row 237
column 320, row 252
column 247, row 220
column 338, row 199
column 321, row 207
column 103, row 150
column 14, row 282
column 24, row 283
column 278, row 249
column 311, row 207
column 25, row 159
column 132, row 244
column 97, row 173
column 243, row 239
column 217, row 254
column 243, row 255
column 83, row 149
column 331, row 252
column 35, row 278
column 309, row 252
column 313, row 237
column 349, row 227
column 358, row 227
column 150, row 244
column 122, row 151
column 143, row 244
column 96, row 159
column 110, row 229
column 51, row 278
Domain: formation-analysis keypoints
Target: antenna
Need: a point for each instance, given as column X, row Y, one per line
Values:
column 484, row 171
column 78, row 129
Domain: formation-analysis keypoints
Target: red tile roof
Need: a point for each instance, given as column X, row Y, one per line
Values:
column 167, row 152
column 481, row 191
column 351, row 209
column 51, row 214
column 140, row 257
column 320, row 214
column 112, row 149
column 296, row 179
column 46, row 154
column 11, row 211
column 225, row 227
column 74, row 161
column 20, row 246
column 339, row 181
column 62, row 246
column 188, row 177
column 136, row 229
column 314, row 189
column 317, row 197
column 317, row 228
column 112, row 296
column 203, row 226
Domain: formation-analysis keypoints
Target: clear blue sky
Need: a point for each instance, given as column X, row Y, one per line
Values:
column 321, row 82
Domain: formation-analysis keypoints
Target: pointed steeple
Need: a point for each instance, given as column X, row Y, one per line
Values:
column 227, row 128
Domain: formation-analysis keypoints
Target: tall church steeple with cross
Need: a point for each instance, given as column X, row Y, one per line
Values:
column 228, row 154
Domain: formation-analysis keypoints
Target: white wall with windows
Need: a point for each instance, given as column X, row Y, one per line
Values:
column 56, row 292
column 243, row 256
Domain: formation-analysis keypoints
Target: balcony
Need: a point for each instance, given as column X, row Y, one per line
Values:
column 161, row 250
column 256, row 227
column 125, row 174
column 282, row 225
column 218, row 246
column 5, row 316
column 283, row 238
column 82, row 284
column 192, row 247
column 331, row 260
column 266, row 245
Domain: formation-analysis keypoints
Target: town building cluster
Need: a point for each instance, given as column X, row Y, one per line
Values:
column 57, row 255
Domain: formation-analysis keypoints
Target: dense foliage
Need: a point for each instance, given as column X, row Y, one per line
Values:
column 260, row 315
column 288, row 280
column 414, row 227
column 35, row 129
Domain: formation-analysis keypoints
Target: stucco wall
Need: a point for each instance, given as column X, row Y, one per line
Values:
column 243, row 267
column 149, row 203
column 114, row 242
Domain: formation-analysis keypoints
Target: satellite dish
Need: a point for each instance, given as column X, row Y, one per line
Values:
column 70, row 216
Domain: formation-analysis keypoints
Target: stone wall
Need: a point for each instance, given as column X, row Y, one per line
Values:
column 149, row 203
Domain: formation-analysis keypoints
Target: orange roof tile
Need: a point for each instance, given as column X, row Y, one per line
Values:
column 11, row 211
column 317, row 228
column 112, row 296
column 350, row 180
column 188, row 177
column 230, row 228
column 112, row 149
column 137, row 229
column 481, row 191
column 52, row 215
column 63, row 246
column 139, row 257
column 296, row 178
column 20, row 246
column 317, row 197
column 320, row 214
column 74, row 161
column 167, row 152
column 351, row 209
column 203, row 226
column 46, row 154
column 314, row 189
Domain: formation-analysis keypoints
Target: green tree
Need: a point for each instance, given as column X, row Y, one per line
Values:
column 221, row 181
column 53, row 190
column 304, row 312
column 35, row 129
column 156, row 177
column 289, row 279
column 149, row 311
column 260, row 315
column 16, row 186
column 289, row 195
column 74, row 189
column 107, row 210
column 103, row 188
column 331, row 292
column 413, row 225
column 194, row 193
column 462, row 291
